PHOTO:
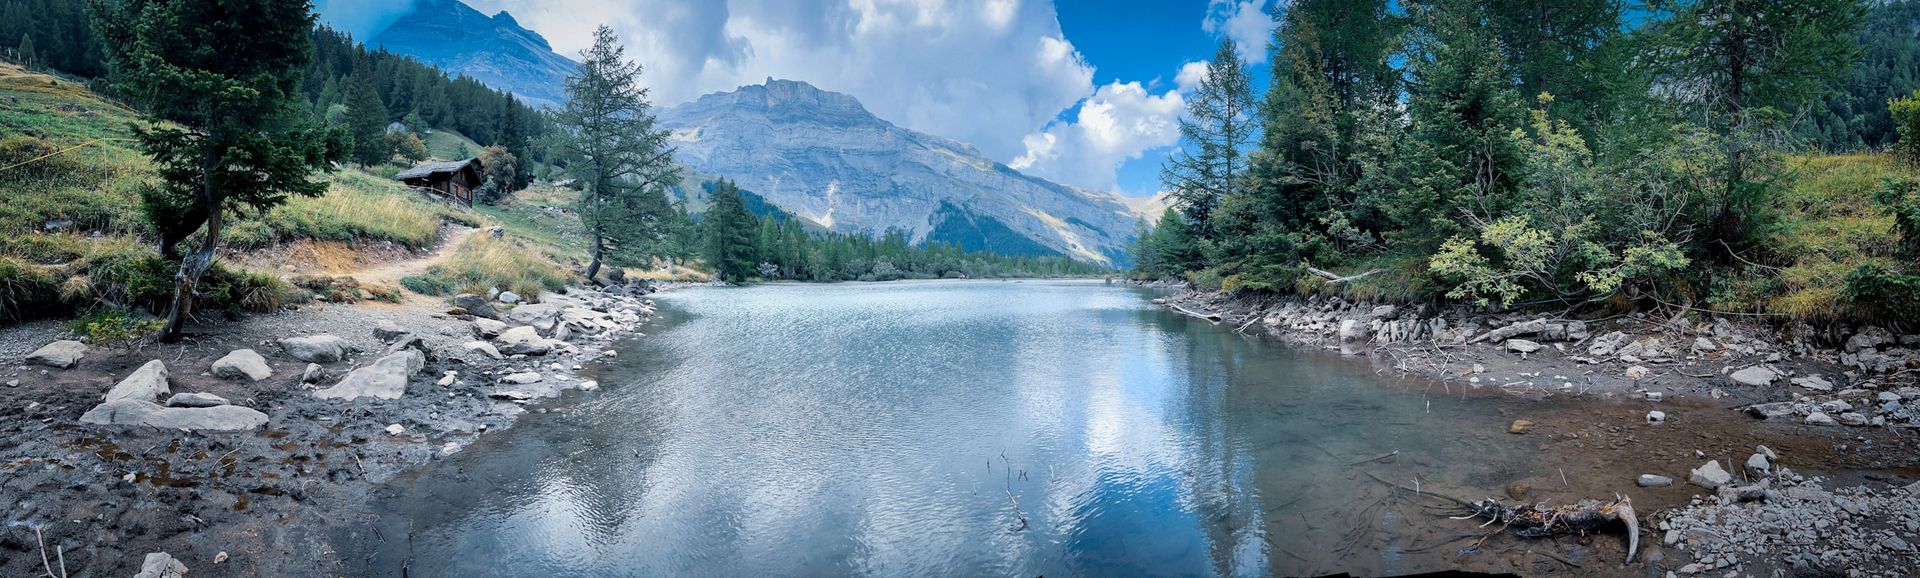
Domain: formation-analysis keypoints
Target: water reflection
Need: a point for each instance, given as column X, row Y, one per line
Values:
column 971, row 428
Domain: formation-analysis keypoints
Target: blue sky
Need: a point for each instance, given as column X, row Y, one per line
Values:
column 1083, row 92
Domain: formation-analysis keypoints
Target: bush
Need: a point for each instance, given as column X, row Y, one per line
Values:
column 27, row 291
column 1887, row 297
column 113, row 326
column 426, row 285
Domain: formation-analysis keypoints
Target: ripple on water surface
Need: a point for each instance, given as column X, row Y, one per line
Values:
column 967, row 428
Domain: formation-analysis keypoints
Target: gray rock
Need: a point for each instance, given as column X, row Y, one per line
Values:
column 1836, row 406
column 196, row 399
column 1813, row 382
column 1771, row 410
column 1868, row 338
column 523, row 340
column 148, row 413
column 522, row 378
column 161, row 565
column 145, row 384
column 1353, row 331
column 1653, row 481
column 1709, row 475
column 1523, row 346
column 1853, row 418
column 242, row 363
column 386, row 331
column 1703, row 344
column 1758, row 466
column 1383, row 312
column 313, row 373
column 1766, row 451
column 1757, row 375
column 1656, row 416
column 485, row 328
column 1817, row 418
column 384, row 379
column 475, row 305
column 62, row 354
column 483, row 348
column 542, row 316
column 1607, row 344
column 509, row 297
column 316, row 348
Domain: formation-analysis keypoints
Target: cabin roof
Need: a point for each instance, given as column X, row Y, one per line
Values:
column 425, row 170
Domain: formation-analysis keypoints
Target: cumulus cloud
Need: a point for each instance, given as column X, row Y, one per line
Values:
column 1190, row 75
column 983, row 72
column 1246, row 22
column 1120, row 122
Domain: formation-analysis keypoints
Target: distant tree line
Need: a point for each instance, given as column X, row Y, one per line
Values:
column 1507, row 151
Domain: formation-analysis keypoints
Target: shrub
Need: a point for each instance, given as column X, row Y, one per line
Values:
column 26, row 291
column 426, row 285
column 113, row 326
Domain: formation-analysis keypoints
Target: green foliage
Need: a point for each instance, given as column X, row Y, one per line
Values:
column 1855, row 118
column 1885, row 296
column 112, row 326
column 483, row 263
column 730, row 247
column 427, row 285
column 621, row 159
column 1906, row 120
column 1218, row 124
column 27, row 291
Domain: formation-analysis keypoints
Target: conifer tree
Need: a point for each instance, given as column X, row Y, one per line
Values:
column 1218, row 124
column 367, row 121
column 621, row 159
column 730, row 234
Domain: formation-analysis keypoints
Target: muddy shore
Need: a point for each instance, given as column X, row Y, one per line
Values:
column 266, row 501
column 1835, row 414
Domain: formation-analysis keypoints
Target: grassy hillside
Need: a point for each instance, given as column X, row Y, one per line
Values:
column 73, row 241
column 446, row 144
column 1825, row 226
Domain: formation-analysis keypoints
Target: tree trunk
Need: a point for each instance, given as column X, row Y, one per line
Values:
column 191, row 268
column 599, row 247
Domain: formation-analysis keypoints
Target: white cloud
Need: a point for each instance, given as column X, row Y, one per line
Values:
column 983, row 72
column 1245, row 22
column 1190, row 76
column 1121, row 121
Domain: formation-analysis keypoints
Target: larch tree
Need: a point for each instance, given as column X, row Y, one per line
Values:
column 611, row 144
column 217, row 81
column 1218, row 125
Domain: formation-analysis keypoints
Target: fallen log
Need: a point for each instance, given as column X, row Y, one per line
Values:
column 1582, row 518
column 1214, row 317
column 1333, row 278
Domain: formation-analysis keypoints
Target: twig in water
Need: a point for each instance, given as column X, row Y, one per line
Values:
column 1388, row 455
column 1563, row 477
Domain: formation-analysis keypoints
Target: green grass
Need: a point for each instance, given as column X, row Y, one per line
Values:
column 546, row 216
column 357, row 207
column 1827, row 227
column 484, row 262
column 445, row 144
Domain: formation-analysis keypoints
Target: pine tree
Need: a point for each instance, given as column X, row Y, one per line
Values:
column 513, row 136
column 614, row 149
column 367, row 122
column 1461, row 158
column 1218, row 124
column 28, row 58
column 730, row 247
column 224, row 133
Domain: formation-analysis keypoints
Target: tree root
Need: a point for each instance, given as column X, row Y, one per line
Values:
column 1582, row 518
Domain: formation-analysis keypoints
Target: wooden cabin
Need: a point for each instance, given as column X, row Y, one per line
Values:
column 454, row 180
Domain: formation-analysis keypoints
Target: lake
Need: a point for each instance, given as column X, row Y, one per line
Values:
column 1001, row 428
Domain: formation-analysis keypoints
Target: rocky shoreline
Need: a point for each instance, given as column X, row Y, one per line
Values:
column 244, row 449
column 1762, row 519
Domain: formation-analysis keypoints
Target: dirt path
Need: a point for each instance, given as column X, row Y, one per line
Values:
column 391, row 272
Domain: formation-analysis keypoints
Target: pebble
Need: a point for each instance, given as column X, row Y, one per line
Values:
column 1656, row 416
column 396, row 429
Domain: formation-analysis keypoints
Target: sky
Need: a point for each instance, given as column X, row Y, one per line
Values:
column 1083, row 92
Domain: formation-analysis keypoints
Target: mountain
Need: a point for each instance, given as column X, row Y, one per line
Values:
column 493, row 50
column 821, row 156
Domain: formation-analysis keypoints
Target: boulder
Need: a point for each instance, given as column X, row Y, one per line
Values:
column 1770, row 410
column 386, row 331
column 1710, row 476
column 522, row 340
column 145, row 384
column 1836, row 406
column 1383, row 312
column 316, row 348
column 242, row 363
column 542, row 316
column 1817, row 418
column 62, row 354
column 1353, row 331
column 143, row 411
column 475, row 305
column 1868, row 338
column 1653, row 481
column 509, row 297
column 1757, row 375
column 196, row 399
column 1607, row 344
column 485, row 328
column 396, row 429
column 1523, row 346
column 313, row 373
column 483, row 348
column 161, row 565
column 386, row 378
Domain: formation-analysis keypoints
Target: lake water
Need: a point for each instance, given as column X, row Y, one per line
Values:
column 979, row 428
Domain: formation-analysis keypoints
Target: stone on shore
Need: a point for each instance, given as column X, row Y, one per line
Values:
column 1352, row 331
column 523, row 340
column 196, row 399
column 316, row 348
column 1653, row 481
column 1523, row 346
column 1757, row 375
column 396, row 429
column 1519, row 426
column 147, row 413
column 242, row 363
column 386, row 331
column 61, row 354
column 1656, row 416
column 1817, row 418
column 384, row 379
column 485, row 328
column 522, row 378
column 144, row 384
column 475, row 305
column 484, row 348
column 1710, row 476
column 161, row 565
column 1703, row 345
column 1638, row 373
column 1813, row 382
column 1758, row 466
column 509, row 297
column 313, row 373
column 542, row 316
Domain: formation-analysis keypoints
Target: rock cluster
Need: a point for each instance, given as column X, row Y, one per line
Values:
column 133, row 402
column 1788, row 524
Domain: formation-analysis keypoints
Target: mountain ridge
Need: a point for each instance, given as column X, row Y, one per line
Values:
column 494, row 50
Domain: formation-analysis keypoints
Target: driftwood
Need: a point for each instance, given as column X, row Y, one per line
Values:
column 1214, row 317
column 1540, row 520
column 1333, row 278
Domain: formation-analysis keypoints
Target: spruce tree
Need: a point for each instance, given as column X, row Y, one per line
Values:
column 621, row 159
column 367, row 121
column 1218, row 124
column 730, row 234
column 222, row 129
column 28, row 58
